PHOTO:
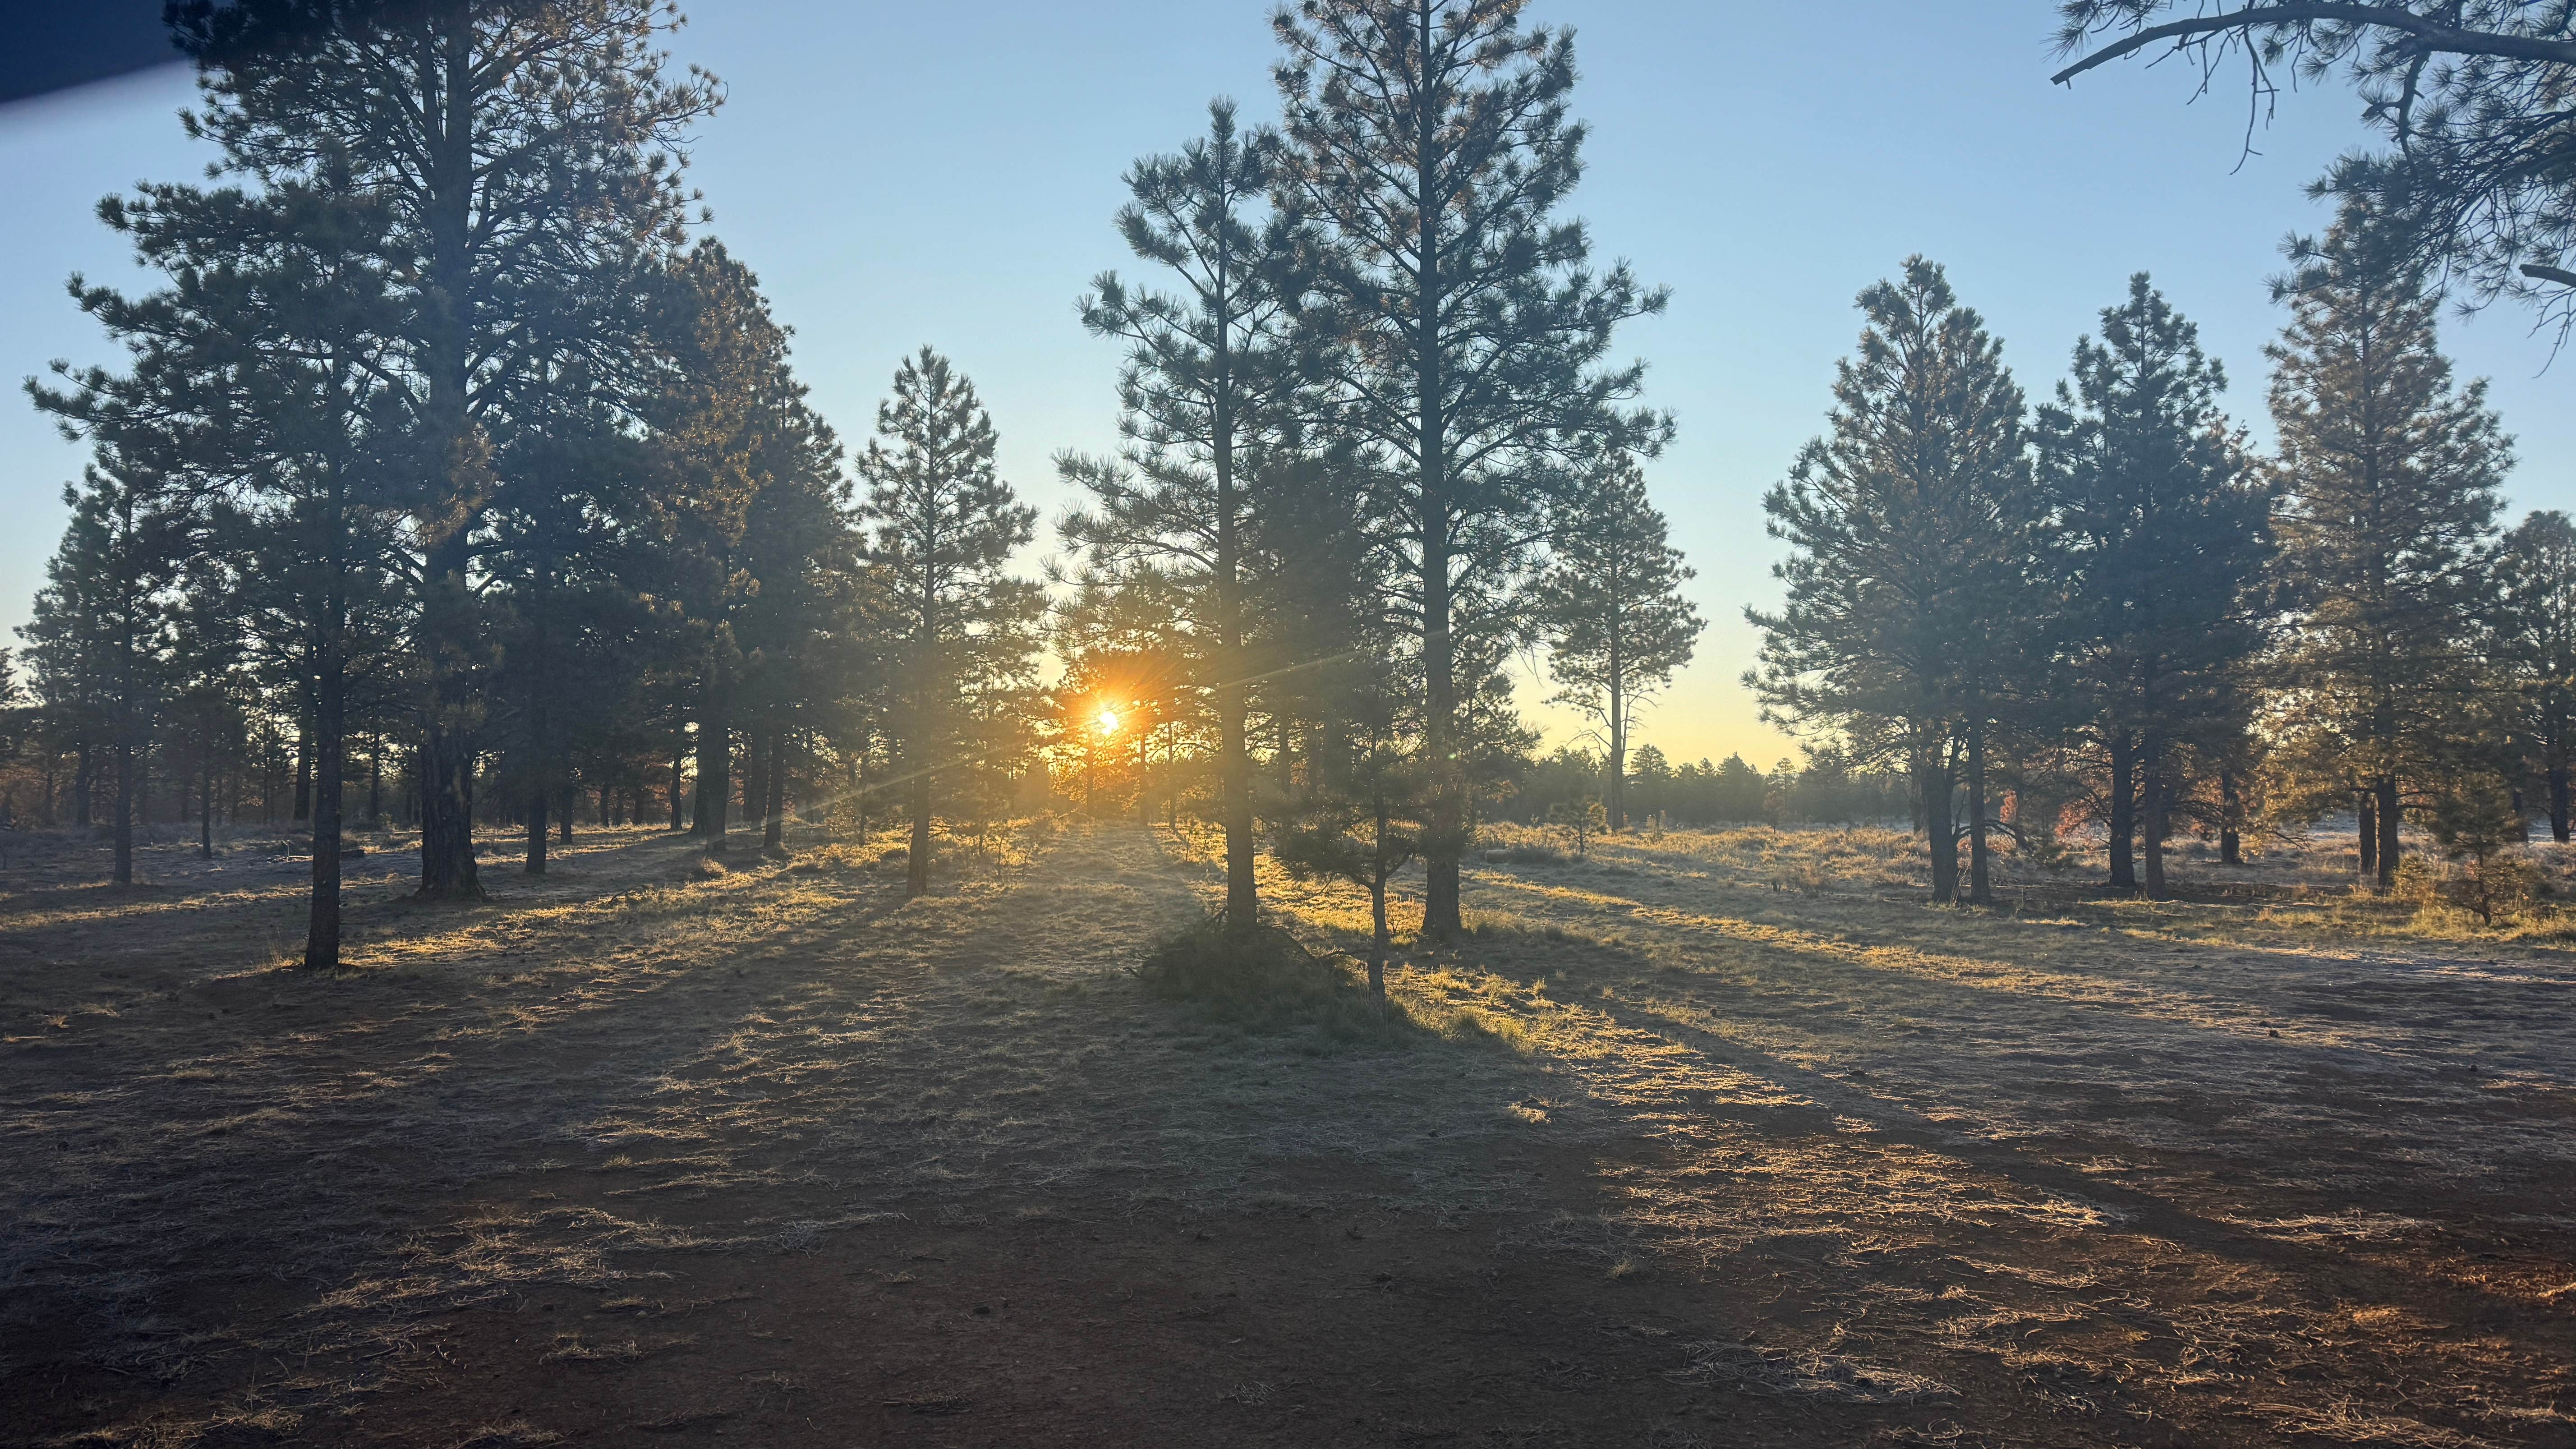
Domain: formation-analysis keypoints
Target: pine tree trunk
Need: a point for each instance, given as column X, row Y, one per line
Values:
column 375, row 782
column 1379, row 936
column 565, row 810
column 124, row 808
column 1442, row 845
column 1981, row 889
column 303, row 776
column 1234, row 749
column 2151, row 791
column 447, row 628
column 330, row 713
column 206, row 815
column 916, row 874
column 1618, row 746
column 2366, row 814
column 773, row 834
column 715, row 757
column 2390, row 816
column 2124, row 810
column 755, row 774
column 2560, row 821
column 1934, row 779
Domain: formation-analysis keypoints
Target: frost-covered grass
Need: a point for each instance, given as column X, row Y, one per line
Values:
column 2239, row 1171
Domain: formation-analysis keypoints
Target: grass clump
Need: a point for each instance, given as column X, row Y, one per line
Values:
column 1261, row 979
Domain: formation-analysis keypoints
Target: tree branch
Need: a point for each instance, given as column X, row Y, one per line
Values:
column 2428, row 34
column 2540, row 272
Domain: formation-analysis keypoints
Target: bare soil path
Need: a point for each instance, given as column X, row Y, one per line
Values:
column 638, row 1156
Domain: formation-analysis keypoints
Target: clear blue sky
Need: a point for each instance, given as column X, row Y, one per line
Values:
column 902, row 174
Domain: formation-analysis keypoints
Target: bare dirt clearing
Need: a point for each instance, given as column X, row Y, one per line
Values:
column 634, row 1156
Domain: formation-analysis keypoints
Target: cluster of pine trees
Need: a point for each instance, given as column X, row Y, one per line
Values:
column 2111, row 611
column 453, row 468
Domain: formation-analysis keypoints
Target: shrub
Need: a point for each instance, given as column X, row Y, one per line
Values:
column 1262, row 979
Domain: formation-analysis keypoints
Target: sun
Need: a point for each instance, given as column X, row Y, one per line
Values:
column 1108, row 721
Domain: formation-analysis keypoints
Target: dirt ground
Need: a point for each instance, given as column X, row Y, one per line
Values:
column 1706, row 1140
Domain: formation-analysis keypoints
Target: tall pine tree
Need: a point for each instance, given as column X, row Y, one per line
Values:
column 2391, row 475
column 2163, row 533
column 1203, row 411
column 2537, row 623
column 1910, row 528
column 961, row 629
column 521, row 150
column 1611, row 606
column 1432, row 144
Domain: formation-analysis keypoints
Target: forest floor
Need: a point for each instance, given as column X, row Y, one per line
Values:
column 1705, row 1140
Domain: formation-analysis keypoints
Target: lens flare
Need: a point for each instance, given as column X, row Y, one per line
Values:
column 1109, row 721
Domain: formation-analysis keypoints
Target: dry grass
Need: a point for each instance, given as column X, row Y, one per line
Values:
column 1722, row 1137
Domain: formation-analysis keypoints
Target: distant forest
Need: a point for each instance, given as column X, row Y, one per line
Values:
column 456, row 479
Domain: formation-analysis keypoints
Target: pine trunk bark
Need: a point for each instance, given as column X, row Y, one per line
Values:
column 1981, row 886
column 1444, row 842
column 2561, row 823
column 1934, row 779
column 773, row 832
column 330, row 719
column 2151, row 791
column 1618, row 745
column 124, row 811
column 2390, row 816
column 2124, row 810
column 916, row 872
column 447, row 868
column 2366, row 816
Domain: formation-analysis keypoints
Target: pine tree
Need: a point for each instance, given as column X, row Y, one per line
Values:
column 520, row 150
column 961, row 628
column 100, row 635
column 1911, row 528
column 729, row 425
column 1612, row 609
column 1203, row 398
column 2391, row 475
column 2162, row 537
column 1432, row 145
column 2537, row 619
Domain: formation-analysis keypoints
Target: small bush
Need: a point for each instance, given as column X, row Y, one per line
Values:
column 1264, row 980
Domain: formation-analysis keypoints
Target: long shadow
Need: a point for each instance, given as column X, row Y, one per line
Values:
column 2024, row 1163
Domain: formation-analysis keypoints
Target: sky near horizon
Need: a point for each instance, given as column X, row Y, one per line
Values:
column 908, row 174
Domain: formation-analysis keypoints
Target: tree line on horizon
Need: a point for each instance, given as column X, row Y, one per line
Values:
column 453, row 467
column 2110, row 609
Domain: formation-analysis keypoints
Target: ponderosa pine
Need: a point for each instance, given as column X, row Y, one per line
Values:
column 2162, row 529
column 1204, row 403
column 1430, row 142
column 1910, row 527
column 944, row 525
column 2390, row 475
column 1612, row 610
